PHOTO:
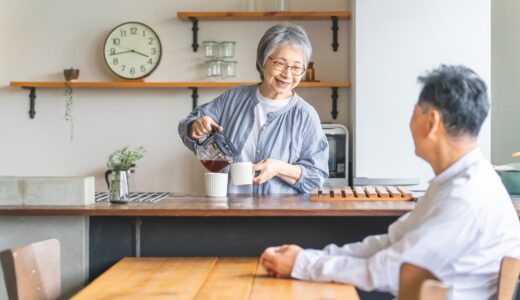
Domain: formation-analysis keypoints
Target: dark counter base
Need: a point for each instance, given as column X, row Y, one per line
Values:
column 112, row 238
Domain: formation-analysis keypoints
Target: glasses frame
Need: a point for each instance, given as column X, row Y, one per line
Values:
column 286, row 66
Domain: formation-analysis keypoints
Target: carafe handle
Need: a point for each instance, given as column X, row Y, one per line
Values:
column 213, row 130
column 107, row 173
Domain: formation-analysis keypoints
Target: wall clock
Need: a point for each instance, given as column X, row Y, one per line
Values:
column 132, row 50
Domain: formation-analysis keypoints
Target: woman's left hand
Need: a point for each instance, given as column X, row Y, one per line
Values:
column 268, row 169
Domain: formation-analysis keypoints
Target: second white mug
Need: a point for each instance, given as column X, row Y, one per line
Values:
column 242, row 173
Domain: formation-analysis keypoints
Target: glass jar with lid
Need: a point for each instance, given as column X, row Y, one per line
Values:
column 211, row 49
column 228, row 68
column 227, row 49
column 214, row 68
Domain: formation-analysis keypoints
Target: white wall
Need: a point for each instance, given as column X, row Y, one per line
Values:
column 505, row 76
column 41, row 38
column 395, row 41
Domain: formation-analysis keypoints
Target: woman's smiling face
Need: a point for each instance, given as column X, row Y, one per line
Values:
column 278, row 84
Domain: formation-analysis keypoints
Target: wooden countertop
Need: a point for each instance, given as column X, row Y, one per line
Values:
column 180, row 205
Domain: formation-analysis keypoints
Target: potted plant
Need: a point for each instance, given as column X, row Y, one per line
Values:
column 70, row 76
column 119, row 164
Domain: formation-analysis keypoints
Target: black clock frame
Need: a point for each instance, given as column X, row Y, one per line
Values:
column 160, row 53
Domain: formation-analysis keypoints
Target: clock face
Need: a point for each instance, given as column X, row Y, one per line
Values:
column 132, row 50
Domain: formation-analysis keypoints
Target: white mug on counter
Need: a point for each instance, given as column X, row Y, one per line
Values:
column 216, row 184
column 242, row 173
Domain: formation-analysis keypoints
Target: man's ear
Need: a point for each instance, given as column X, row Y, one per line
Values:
column 434, row 123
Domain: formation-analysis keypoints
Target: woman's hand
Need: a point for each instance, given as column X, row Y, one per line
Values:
column 201, row 127
column 268, row 168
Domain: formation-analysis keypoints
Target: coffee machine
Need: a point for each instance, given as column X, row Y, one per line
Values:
column 337, row 137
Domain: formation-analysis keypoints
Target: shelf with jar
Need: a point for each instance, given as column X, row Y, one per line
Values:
column 194, row 86
column 334, row 16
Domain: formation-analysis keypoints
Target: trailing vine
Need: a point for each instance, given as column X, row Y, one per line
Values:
column 68, row 109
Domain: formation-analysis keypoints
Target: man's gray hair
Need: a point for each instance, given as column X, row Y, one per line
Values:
column 282, row 35
column 459, row 94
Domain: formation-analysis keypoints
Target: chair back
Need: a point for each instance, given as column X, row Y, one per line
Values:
column 33, row 272
column 508, row 277
column 417, row 283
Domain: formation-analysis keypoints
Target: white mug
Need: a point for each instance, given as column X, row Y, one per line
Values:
column 242, row 173
column 216, row 184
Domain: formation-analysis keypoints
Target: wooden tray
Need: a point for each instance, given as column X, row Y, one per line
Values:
column 365, row 193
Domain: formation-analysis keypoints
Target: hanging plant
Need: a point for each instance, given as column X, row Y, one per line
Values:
column 68, row 109
column 70, row 75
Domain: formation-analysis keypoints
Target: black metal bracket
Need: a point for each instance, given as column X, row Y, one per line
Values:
column 32, row 97
column 194, row 96
column 334, row 33
column 334, row 96
column 194, row 29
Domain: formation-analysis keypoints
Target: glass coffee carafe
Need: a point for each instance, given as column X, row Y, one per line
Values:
column 216, row 152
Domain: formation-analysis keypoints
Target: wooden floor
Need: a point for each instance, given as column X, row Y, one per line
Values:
column 203, row 278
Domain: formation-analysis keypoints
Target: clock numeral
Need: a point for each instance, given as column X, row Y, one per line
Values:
column 144, row 33
column 150, row 41
column 115, row 61
column 154, row 51
column 123, row 33
column 123, row 67
column 132, row 71
column 112, row 51
column 116, row 41
column 150, row 61
column 133, row 30
column 143, row 69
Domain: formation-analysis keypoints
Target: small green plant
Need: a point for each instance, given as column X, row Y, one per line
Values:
column 68, row 109
column 125, row 158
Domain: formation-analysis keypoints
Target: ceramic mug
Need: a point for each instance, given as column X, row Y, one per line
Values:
column 242, row 173
column 216, row 184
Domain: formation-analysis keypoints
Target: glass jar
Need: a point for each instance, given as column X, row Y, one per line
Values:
column 214, row 68
column 211, row 49
column 227, row 49
column 229, row 68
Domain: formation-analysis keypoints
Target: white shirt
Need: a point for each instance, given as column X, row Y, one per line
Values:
column 264, row 106
column 459, row 231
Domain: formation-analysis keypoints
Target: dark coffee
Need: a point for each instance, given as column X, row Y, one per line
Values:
column 215, row 165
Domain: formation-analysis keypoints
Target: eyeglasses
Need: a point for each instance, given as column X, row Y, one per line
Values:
column 280, row 65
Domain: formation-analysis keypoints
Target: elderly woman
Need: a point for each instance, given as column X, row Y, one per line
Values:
column 268, row 123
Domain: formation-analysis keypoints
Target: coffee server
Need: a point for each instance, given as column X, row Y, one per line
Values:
column 337, row 137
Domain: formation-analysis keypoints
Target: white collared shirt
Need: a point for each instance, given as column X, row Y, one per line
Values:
column 459, row 231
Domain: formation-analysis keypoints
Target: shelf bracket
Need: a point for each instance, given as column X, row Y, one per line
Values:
column 32, row 97
column 194, row 29
column 334, row 96
column 194, row 97
column 334, row 33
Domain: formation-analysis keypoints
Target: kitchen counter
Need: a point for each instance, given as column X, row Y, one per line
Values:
column 234, row 206
column 193, row 225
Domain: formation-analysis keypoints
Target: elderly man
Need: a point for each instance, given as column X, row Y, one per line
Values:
column 459, row 230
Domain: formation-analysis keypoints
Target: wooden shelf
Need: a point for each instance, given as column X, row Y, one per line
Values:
column 264, row 15
column 140, row 84
column 194, row 86
column 195, row 16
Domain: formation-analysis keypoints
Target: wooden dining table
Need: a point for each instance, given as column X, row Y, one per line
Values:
column 204, row 278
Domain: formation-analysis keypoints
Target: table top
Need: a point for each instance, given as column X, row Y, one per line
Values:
column 203, row 278
column 182, row 205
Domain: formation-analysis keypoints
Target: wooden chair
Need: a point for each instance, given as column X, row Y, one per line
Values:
column 508, row 278
column 419, row 284
column 33, row 271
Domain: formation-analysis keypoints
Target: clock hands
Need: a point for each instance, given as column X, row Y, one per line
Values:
column 128, row 51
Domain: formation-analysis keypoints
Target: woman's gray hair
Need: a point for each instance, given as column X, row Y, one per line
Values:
column 282, row 35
